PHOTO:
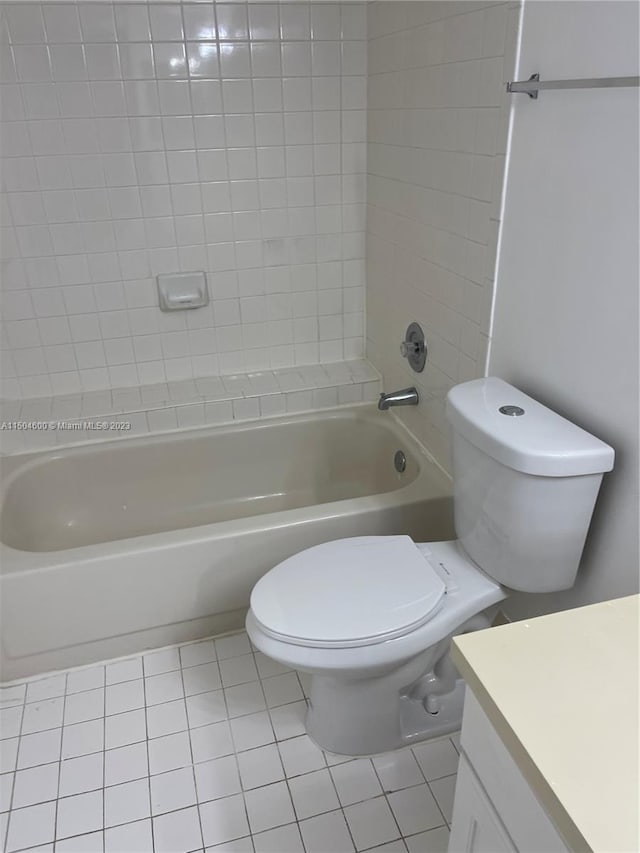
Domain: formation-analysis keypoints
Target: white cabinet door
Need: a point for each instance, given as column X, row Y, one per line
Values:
column 476, row 827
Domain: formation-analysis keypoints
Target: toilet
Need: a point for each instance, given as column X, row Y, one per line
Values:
column 371, row 618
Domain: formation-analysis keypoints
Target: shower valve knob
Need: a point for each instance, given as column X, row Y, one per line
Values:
column 414, row 348
column 408, row 348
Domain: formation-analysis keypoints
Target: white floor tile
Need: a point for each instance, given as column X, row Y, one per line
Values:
column 79, row 814
column 85, row 679
column 301, row 755
column 197, row 653
column 126, row 696
column 260, row 766
column 238, row 670
column 31, row 826
column 169, row 753
column 10, row 719
column 125, row 764
column 201, row 679
column 356, row 781
column 206, row 708
column 131, row 838
column 455, row 740
column 126, row 803
column 282, row 689
column 245, row 699
column 240, row 845
column 326, row 833
column 39, row 716
column 123, row 729
column 36, row 785
column 415, row 809
column 40, row 748
column 251, row 731
column 289, row 720
column 209, row 742
column 9, row 754
column 177, row 832
column 164, row 688
column 223, row 820
column 6, row 789
column 433, row 841
column 217, row 778
column 82, row 738
column 166, row 719
column 165, row 660
column 397, row 846
column 313, row 793
column 333, row 759
column 269, row 807
column 124, row 670
column 436, row 759
column 172, row 791
column 268, row 667
column 46, row 688
column 443, row 790
column 92, row 842
column 80, row 707
column 284, row 839
column 397, row 770
column 371, row 823
column 232, row 646
column 14, row 695
column 83, row 774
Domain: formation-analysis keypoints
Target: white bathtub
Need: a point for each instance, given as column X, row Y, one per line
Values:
column 113, row 548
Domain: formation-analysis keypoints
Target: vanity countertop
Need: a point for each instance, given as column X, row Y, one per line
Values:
column 562, row 692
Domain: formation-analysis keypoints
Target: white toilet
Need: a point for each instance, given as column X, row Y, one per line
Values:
column 371, row 618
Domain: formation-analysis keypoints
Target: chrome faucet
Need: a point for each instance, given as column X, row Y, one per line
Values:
column 406, row 397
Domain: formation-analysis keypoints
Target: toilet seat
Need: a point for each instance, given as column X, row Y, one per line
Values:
column 348, row 593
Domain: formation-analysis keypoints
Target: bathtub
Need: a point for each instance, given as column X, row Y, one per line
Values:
column 116, row 547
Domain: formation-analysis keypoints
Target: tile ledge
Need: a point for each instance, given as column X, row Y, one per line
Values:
column 186, row 404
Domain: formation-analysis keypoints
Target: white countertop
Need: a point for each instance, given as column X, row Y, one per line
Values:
column 562, row 692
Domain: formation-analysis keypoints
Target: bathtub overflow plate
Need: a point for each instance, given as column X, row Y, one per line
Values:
column 400, row 461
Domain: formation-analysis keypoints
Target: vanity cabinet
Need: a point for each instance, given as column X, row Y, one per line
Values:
column 495, row 810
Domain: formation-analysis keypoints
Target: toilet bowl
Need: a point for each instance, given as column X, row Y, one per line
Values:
column 375, row 641
column 371, row 618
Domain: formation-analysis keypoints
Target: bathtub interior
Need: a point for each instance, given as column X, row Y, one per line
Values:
column 118, row 490
column 112, row 548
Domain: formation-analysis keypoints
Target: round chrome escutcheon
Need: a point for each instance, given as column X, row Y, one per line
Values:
column 513, row 411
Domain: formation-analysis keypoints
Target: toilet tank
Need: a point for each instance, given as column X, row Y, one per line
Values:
column 525, row 483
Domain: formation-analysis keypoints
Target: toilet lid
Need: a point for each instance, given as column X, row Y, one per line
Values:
column 351, row 592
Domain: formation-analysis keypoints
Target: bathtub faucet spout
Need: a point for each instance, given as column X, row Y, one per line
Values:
column 406, row 397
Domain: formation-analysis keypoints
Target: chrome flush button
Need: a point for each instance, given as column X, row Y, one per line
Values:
column 513, row 411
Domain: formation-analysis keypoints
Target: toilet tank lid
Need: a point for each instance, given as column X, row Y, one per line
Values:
column 535, row 440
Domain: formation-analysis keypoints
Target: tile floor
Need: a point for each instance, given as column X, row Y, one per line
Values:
column 202, row 747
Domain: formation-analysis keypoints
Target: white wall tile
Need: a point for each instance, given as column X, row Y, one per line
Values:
column 435, row 124
column 125, row 123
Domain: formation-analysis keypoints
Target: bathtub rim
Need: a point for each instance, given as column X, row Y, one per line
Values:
column 14, row 561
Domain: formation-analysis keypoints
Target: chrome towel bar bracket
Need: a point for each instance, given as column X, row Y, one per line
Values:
column 534, row 84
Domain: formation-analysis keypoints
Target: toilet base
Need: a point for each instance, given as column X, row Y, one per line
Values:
column 417, row 725
column 367, row 720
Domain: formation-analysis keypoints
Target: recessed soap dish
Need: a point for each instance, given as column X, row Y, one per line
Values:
column 179, row 291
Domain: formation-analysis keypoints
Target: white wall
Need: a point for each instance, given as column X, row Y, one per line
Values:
column 436, row 110
column 146, row 138
column 566, row 312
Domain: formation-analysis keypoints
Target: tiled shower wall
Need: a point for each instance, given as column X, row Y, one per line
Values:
column 437, row 134
column 147, row 138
